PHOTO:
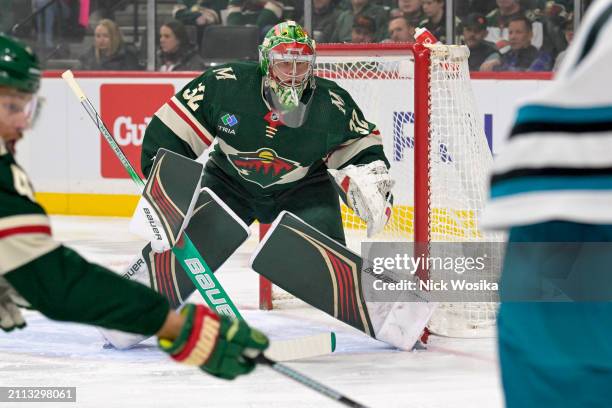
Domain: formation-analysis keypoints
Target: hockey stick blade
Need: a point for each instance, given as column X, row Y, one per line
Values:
column 307, row 381
column 303, row 347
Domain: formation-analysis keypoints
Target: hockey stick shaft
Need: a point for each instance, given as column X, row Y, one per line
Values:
column 187, row 254
column 308, row 382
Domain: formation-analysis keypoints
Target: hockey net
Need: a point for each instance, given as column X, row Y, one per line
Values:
column 422, row 102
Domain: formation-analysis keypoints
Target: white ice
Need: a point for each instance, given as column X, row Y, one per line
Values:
column 450, row 373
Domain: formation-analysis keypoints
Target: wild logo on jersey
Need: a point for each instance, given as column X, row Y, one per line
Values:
column 263, row 167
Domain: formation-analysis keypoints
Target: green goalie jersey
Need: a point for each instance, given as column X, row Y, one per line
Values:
column 39, row 272
column 253, row 147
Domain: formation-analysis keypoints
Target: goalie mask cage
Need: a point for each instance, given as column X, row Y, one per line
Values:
column 421, row 100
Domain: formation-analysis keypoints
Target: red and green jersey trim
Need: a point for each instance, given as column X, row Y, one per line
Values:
column 185, row 126
column 24, row 238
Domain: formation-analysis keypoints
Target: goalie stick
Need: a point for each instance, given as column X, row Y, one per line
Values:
column 193, row 263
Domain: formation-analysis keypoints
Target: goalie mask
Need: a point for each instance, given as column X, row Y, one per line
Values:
column 286, row 59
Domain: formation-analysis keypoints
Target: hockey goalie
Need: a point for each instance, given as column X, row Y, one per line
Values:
column 285, row 143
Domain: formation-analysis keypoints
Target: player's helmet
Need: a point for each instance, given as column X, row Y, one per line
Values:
column 19, row 67
column 287, row 57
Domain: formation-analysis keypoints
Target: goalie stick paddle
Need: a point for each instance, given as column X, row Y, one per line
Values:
column 194, row 265
column 187, row 254
column 301, row 347
column 307, row 381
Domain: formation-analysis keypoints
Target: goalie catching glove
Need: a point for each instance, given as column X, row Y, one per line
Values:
column 366, row 189
column 215, row 343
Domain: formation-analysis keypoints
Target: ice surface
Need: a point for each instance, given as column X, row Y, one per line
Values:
column 451, row 373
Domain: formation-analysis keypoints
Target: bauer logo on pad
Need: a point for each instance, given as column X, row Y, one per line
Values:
column 128, row 120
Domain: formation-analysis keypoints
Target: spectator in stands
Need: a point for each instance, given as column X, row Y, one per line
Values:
column 324, row 16
column 109, row 52
column 176, row 53
column 435, row 21
column 474, row 28
column 465, row 7
column 412, row 10
column 262, row 13
column 344, row 24
column 104, row 8
column 364, row 29
column 553, row 18
column 401, row 29
column 47, row 20
column 499, row 19
column 386, row 4
column 199, row 12
column 568, row 33
column 523, row 56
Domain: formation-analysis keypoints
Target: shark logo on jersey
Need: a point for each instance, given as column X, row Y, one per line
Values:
column 263, row 167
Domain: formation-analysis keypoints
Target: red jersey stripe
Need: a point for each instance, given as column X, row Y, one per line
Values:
column 25, row 229
column 192, row 125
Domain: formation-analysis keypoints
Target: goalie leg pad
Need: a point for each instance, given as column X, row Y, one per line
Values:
column 215, row 230
column 167, row 201
column 328, row 276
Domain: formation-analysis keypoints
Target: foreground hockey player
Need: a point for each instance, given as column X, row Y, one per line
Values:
column 551, row 188
column 277, row 129
column 38, row 272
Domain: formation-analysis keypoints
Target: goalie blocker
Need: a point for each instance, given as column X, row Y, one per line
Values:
column 327, row 275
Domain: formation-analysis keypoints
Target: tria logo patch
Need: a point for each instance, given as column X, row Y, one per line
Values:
column 263, row 167
column 227, row 124
column 229, row 120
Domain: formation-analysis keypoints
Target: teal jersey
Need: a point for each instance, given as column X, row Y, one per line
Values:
column 225, row 106
column 45, row 275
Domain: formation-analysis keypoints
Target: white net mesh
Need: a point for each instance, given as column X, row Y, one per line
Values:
column 458, row 172
column 383, row 87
